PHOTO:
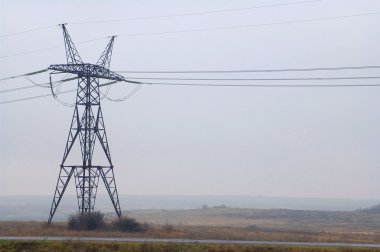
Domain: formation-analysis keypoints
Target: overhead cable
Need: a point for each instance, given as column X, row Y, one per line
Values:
column 129, row 95
column 192, row 13
column 27, row 31
column 258, row 79
column 23, row 75
column 264, row 85
column 250, row 25
column 254, row 70
column 161, row 16
column 212, row 85
column 48, row 48
column 48, row 95
column 206, row 29
column 44, row 85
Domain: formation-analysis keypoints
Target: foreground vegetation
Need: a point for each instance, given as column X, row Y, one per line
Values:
column 66, row 246
column 189, row 232
column 96, row 221
column 215, row 223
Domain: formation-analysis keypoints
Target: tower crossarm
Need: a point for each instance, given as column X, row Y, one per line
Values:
column 105, row 58
column 72, row 54
column 90, row 70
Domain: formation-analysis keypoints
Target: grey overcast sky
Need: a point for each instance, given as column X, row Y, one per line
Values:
column 299, row 142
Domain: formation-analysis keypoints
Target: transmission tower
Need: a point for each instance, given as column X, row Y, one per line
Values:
column 87, row 128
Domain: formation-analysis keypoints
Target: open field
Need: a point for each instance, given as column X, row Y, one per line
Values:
column 273, row 219
column 229, row 224
column 52, row 246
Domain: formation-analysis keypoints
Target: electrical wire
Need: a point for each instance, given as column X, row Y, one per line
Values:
column 34, row 97
column 258, row 79
column 17, row 89
column 263, row 85
column 66, row 104
column 58, row 90
column 23, row 75
column 256, row 70
column 27, row 31
column 129, row 95
column 105, row 93
column 251, row 25
column 192, row 13
column 43, row 85
column 203, row 29
column 160, row 16
column 50, row 94
column 211, row 85
column 48, row 48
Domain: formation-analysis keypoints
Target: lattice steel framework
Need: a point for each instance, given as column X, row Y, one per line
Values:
column 87, row 128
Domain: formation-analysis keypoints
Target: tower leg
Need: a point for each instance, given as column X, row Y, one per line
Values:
column 110, row 183
column 65, row 174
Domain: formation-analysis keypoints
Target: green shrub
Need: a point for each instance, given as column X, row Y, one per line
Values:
column 87, row 221
column 127, row 224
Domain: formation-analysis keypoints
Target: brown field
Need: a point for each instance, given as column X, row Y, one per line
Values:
column 229, row 223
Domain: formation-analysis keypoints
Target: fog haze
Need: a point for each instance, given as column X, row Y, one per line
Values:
column 167, row 140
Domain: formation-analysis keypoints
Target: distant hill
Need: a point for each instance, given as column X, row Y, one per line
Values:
column 36, row 208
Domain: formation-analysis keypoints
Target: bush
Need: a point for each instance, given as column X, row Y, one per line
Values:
column 127, row 224
column 87, row 221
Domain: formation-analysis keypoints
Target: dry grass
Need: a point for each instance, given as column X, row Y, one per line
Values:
column 230, row 224
column 189, row 232
column 50, row 246
column 337, row 221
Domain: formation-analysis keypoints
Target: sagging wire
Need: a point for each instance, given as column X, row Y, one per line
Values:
column 129, row 95
column 104, row 95
column 58, row 89
column 43, row 85
column 35, row 84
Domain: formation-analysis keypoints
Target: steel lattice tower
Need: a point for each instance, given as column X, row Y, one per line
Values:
column 87, row 128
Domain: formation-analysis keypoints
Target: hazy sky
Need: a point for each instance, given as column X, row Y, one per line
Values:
column 301, row 142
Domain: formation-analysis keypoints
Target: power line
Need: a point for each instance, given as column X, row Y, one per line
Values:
column 17, row 89
column 23, row 75
column 27, row 31
column 45, row 85
column 211, row 85
column 251, row 25
column 193, row 13
column 205, row 29
column 259, row 79
column 223, row 71
column 48, row 48
column 50, row 94
column 255, row 70
column 129, row 95
column 263, row 85
column 208, row 79
column 34, row 97
column 58, row 90
column 160, row 16
column 203, row 79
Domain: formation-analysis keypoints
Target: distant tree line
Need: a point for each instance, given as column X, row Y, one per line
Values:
column 373, row 209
